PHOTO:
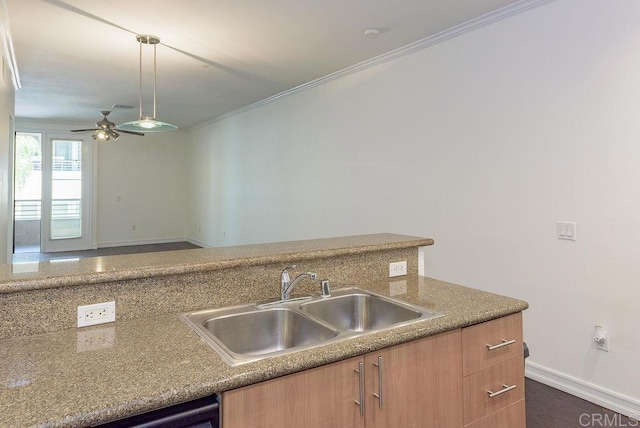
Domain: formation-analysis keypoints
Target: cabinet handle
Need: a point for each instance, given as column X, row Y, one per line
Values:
column 360, row 400
column 500, row 345
column 379, row 394
column 506, row 388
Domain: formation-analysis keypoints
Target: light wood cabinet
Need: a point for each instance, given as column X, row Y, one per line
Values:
column 440, row 381
column 513, row 415
column 320, row 397
column 493, row 367
column 421, row 387
column 421, row 384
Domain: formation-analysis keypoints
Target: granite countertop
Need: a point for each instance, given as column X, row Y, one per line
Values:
column 63, row 273
column 86, row 376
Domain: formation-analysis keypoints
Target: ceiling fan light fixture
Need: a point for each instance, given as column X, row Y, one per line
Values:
column 106, row 130
column 147, row 123
column 100, row 135
column 105, row 135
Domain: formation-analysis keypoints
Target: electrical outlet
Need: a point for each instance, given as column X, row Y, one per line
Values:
column 602, row 346
column 601, row 339
column 397, row 269
column 98, row 313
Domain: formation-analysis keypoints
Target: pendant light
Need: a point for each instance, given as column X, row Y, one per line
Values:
column 148, row 123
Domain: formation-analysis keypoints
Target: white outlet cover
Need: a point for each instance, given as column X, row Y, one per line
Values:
column 397, row 269
column 85, row 310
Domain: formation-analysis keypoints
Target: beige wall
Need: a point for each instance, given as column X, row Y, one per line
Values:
column 139, row 182
column 483, row 143
column 142, row 182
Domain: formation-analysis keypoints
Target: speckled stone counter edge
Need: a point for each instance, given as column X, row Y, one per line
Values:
column 197, row 279
column 127, row 267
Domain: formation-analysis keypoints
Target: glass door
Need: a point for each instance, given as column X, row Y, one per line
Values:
column 67, row 190
column 27, row 205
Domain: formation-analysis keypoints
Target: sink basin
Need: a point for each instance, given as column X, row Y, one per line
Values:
column 246, row 333
column 267, row 331
column 243, row 334
column 360, row 312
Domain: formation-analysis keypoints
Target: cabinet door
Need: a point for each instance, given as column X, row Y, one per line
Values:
column 321, row 397
column 421, row 384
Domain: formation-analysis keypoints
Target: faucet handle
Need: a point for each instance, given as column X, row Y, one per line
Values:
column 326, row 289
column 286, row 268
column 285, row 272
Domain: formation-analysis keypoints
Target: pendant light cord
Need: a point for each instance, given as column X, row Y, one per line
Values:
column 140, row 81
column 155, row 79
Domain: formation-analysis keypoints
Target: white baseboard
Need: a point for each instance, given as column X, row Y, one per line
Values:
column 198, row 243
column 587, row 391
column 141, row 242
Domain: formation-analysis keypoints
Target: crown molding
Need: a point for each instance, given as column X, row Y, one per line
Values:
column 7, row 44
column 455, row 31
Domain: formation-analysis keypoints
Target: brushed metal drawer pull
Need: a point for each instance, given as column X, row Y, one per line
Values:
column 506, row 388
column 360, row 400
column 379, row 394
column 500, row 345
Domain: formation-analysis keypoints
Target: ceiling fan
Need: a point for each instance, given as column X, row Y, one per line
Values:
column 106, row 130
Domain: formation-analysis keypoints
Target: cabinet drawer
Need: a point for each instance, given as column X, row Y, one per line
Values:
column 491, row 342
column 478, row 403
column 512, row 416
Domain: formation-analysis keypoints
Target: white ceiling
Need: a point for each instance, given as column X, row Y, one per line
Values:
column 76, row 57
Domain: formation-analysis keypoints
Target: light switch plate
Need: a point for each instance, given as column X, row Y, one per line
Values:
column 567, row 230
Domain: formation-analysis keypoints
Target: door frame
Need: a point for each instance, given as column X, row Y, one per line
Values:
column 89, row 179
column 10, row 188
column 87, row 239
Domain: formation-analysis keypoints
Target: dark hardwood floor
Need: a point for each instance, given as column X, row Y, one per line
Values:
column 550, row 408
column 110, row 251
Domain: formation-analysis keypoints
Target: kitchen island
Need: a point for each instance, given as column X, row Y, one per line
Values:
column 79, row 377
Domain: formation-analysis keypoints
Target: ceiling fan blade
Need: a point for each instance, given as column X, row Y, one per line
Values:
column 130, row 132
column 84, row 130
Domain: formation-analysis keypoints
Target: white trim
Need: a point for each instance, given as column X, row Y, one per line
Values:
column 85, row 241
column 94, row 198
column 455, row 31
column 7, row 43
column 142, row 242
column 11, row 189
column 199, row 243
column 588, row 391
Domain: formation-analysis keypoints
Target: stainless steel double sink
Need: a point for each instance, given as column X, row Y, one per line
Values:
column 247, row 333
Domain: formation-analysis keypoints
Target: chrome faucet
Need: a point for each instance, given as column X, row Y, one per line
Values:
column 287, row 284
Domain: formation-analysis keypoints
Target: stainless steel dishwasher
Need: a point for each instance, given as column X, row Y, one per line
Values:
column 200, row 413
